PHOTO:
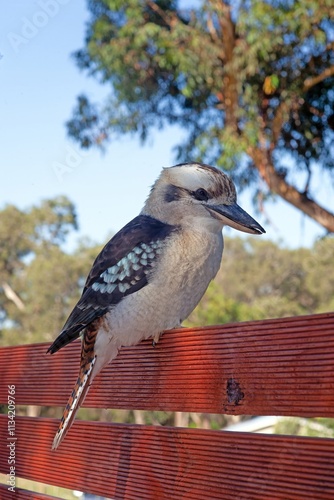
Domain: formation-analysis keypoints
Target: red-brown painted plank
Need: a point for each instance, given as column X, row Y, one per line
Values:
column 132, row 462
column 273, row 367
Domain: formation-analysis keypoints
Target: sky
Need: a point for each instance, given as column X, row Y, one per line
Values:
column 38, row 88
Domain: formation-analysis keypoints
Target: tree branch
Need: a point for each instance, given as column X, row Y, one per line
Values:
column 11, row 295
column 289, row 193
column 215, row 37
column 312, row 81
column 169, row 19
column 278, row 122
column 283, row 108
column 230, row 92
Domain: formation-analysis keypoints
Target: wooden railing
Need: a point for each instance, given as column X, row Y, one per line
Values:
column 273, row 367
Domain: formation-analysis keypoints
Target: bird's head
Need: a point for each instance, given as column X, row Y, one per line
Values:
column 193, row 194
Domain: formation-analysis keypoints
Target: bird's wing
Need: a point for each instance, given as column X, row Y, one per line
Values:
column 120, row 269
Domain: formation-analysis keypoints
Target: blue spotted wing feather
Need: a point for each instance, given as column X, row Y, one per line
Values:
column 122, row 268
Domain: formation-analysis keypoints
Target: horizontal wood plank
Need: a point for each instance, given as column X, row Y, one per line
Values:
column 272, row 367
column 132, row 462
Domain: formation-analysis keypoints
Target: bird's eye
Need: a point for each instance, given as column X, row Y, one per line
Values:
column 201, row 195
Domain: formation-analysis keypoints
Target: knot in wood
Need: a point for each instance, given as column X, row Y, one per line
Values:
column 234, row 392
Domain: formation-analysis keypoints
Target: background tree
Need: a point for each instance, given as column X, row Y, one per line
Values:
column 251, row 83
column 259, row 279
column 39, row 281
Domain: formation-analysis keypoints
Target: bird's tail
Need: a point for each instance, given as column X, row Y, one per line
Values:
column 88, row 359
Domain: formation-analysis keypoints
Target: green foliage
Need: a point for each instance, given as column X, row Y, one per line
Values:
column 218, row 308
column 39, row 282
column 23, row 232
column 313, row 427
column 233, row 77
column 259, row 280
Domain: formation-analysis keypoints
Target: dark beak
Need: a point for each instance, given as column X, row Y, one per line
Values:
column 235, row 216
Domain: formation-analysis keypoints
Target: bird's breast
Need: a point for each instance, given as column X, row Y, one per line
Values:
column 177, row 283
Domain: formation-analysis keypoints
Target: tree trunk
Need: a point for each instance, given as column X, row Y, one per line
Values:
column 230, row 80
column 181, row 419
column 139, row 417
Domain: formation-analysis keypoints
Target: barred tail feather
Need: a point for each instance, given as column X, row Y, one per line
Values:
column 76, row 399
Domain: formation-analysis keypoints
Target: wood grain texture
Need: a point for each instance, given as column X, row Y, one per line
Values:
column 160, row 463
column 272, row 367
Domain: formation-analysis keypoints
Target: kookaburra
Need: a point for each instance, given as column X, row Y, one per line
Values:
column 151, row 275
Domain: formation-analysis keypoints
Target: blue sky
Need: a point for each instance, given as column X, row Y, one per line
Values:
column 38, row 87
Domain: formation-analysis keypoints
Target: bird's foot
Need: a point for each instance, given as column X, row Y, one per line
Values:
column 156, row 339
